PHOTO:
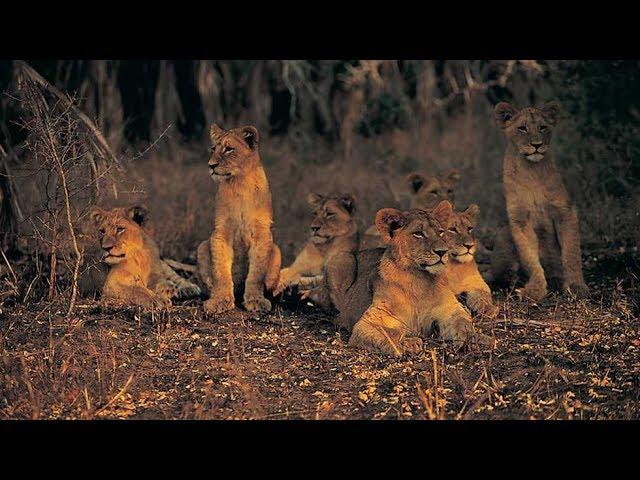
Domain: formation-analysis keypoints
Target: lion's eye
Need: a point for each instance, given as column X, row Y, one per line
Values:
column 120, row 230
column 543, row 128
column 418, row 234
column 453, row 230
column 470, row 229
column 329, row 215
column 228, row 150
column 102, row 231
column 523, row 128
column 441, row 232
column 434, row 192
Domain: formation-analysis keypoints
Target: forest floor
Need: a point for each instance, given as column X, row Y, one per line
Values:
column 561, row 359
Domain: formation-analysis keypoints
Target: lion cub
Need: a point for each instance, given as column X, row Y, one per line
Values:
column 462, row 270
column 543, row 222
column 241, row 247
column 389, row 297
column 137, row 274
column 425, row 193
column 333, row 230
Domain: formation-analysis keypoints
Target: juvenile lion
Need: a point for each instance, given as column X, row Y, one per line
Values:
column 389, row 297
column 333, row 230
column 137, row 274
column 462, row 270
column 543, row 223
column 241, row 247
column 542, row 220
column 425, row 193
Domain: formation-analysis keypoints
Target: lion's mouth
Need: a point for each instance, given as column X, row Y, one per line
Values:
column 112, row 257
column 426, row 266
column 534, row 157
column 318, row 238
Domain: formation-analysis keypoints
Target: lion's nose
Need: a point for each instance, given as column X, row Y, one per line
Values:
column 536, row 143
column 469, row 245
column 314, row 229
column 213, row 165
column 441, row 251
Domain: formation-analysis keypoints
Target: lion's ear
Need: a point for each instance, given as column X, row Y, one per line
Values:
column 315, row 199
column 454, row 176
column 389, row 221
column 348, row 202
column 442, row 213
column 551, row 110
column 96, row 215
column 137, row 213
column 249, row 134
column 215, row 132
column 504, row 113
column 472, row 212
column 415, row 182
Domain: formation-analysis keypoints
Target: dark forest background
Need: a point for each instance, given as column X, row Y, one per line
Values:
column 326, row 125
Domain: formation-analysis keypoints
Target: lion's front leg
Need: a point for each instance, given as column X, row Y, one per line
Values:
column 377, row 330
column 569, row 236
column 221, row 289
column 259, row 256
column 526, row 242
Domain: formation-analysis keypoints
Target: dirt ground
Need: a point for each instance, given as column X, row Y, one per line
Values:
column 562, row 359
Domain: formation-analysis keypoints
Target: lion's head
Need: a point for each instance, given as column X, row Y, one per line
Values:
column 120, row 231
column 427, row 191
column 460, row 235
column 415, row 238
column 332, row 216
column 528, row 130
column 232, row 151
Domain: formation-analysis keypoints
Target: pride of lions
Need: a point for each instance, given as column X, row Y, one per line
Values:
column 401, row 281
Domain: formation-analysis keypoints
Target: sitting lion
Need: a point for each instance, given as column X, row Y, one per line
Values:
column 137, row 274
column 543, row 235
column 425, row 193
column 389, row 297
column 241, row 247
column 333, row 230
column 462, row 270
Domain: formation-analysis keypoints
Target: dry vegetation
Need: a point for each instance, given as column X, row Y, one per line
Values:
column 560, row 359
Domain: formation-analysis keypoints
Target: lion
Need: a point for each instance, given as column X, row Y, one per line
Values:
column 333, row 230
column 240, row 252
column 389, row 297
column 544, row 238
column 137, row 275
column 462, row 270
column 425, row 192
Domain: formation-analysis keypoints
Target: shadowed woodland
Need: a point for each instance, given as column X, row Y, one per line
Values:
column 90, row 132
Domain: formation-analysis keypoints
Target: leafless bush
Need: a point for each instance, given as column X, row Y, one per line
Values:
column 73, row 161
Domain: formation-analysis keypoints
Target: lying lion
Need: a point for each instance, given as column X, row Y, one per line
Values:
column 462, row 270
column 137, row 274
column 333, row 230
column 390, row 297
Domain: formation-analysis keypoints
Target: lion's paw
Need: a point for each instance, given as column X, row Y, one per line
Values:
column 218, row 305
column 257, row 304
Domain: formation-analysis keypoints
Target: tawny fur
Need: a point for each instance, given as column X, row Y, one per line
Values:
column 543, row 223
column 241, row 248
column 390, row 297
column 462, row 269
column 137, row 274
column 333, row 231
column 425, row 191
